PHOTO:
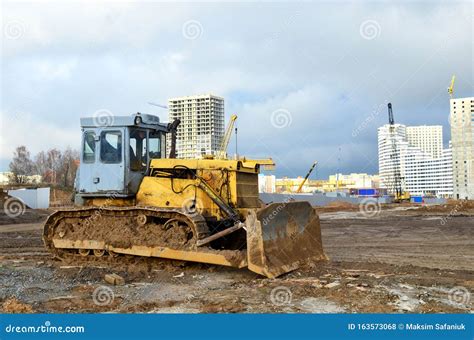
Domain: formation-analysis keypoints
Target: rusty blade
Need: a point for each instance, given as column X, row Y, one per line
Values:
column 283, row 236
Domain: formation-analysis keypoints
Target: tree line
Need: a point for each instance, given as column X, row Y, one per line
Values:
column 55, row 167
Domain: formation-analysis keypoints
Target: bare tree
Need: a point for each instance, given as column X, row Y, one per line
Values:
column 54, row 166
column 68, row 168
column 48, row 165
column 58, row 168
column 41, row 164
column 21, row 165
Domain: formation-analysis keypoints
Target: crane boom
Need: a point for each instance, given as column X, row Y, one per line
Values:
column 306, row 177
column 158, row 105
column 222, row 152
column 395, row 156
column 391, row 120
column 451, row 87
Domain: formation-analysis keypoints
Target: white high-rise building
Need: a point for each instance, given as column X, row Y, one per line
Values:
column 266, row 183
column 389, row 159
column 414, row 161
column 428, row 138
column 202, row 124
column 424, row 174
column 462, row 138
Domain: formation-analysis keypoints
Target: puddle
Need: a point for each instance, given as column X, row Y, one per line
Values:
column 320, row 305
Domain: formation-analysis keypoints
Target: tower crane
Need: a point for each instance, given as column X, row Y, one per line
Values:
column 451, row 87
column 400, row 195
column 222, row 152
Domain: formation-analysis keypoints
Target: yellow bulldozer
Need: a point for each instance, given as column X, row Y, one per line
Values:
column 131, row 199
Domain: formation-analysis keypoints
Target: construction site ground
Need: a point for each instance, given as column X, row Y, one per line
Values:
column 403, row 258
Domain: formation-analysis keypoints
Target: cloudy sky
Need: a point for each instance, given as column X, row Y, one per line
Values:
column 308, row 80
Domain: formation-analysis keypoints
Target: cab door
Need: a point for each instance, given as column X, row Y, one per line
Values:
column 144, row 145
column 89, row 158
column 102, row 167
column 138, row 159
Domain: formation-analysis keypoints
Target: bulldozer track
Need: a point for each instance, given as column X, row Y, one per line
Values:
column 91, row 217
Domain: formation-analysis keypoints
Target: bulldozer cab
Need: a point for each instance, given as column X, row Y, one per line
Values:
column 116, row 154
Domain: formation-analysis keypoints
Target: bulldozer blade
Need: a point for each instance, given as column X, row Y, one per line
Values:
column 281, row 237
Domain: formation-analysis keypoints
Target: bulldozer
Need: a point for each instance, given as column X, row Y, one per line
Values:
column 134, row 198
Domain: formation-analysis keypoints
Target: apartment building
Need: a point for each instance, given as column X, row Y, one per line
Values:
column 202, row 124
column 462, row 138
column 406, row 152
column 426, row 175
column 266, row 183
column 428, row 138
column 390, row 159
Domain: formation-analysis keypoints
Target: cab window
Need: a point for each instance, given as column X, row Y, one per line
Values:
column 88, row 151
column 111, row 147
column 138, row 159
column 154, row 145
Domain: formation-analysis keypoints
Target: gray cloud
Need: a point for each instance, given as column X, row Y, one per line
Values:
column 332, row 66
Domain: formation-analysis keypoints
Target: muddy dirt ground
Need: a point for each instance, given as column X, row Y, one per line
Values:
column 402, row 259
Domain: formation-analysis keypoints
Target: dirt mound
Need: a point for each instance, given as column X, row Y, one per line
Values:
column 13, row 305
column 451, row 207
column 462, row 204
column 337, row 206
column 341, row 204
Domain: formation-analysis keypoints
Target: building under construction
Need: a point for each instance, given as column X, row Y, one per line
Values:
column 462, row 137
column 202, row 124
